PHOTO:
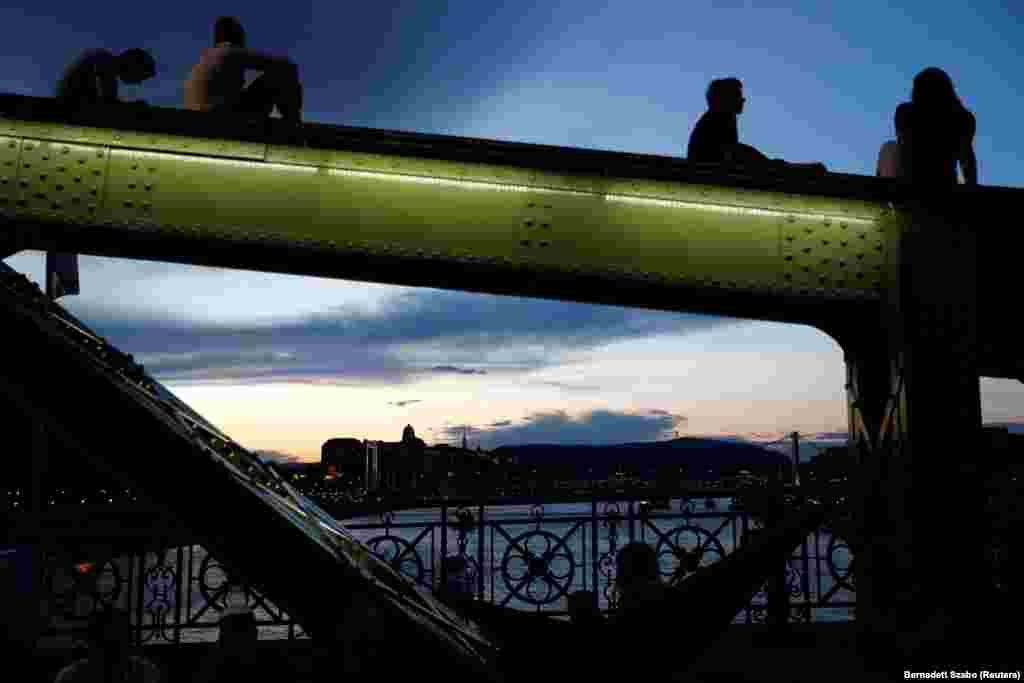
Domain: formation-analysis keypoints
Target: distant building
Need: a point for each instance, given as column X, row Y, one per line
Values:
column 343, row 459
column 408, row 465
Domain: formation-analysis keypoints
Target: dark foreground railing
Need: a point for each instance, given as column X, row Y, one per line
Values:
column 522, row 554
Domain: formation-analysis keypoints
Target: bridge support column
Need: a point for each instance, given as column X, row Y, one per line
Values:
column 915, row 425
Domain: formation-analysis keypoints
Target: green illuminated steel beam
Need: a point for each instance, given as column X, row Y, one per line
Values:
column 382, row 197
column 449, row 212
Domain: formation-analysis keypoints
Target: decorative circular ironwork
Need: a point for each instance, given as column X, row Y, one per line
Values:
column 399, row 554
column 843, row 575
column 109, row 583
column 215, row 584
column 691, row 547
column 538, row 567
column 71, row 587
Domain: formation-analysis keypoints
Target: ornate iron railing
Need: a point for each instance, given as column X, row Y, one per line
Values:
column 529, row 559
column 174, row 595
column 534, row 561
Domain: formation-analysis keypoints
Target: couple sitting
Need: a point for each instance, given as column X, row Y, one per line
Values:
column 216, row 84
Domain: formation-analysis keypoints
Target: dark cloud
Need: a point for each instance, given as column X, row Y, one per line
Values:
column 276, row 456
column 458, row 371
column 418, row 332
column 402, row 404
column 600, row 427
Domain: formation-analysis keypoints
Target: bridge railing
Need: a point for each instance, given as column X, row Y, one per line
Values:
column 532, row 557
column 526, row 556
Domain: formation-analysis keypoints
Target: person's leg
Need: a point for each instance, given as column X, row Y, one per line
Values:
column 256, row 99
column 281, row 88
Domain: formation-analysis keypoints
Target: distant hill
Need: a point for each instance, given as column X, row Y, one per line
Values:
column 688, row 451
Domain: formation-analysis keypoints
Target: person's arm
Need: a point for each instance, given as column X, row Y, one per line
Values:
column 887, row 167
column 965, row 155
column 740, row 153
column 968, row 162
column 255, row 59
column 106, row 79
column 197, row 97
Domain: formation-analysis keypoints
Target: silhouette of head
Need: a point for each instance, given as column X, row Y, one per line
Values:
column 636, row 563
column 110, row 633
column 135, row 65
column 238, row 631
column 726, row 95
column 228, row 30
column 456, row 564
column 933, row 88
column 581, row 606
column 901, row 119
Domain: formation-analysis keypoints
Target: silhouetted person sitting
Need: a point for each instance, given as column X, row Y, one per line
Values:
column 715, row 138
column 110, row 659
column 941, row 133
column 232, row 660
column 582, row 610
column 217, row 82
column 457, row 590
column 638, row 580
column 890, row 156
column 93, row 77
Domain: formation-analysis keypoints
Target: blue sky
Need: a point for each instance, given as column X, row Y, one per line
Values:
column 283, row 362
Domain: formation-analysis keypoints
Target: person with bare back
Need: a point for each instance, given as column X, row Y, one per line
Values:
column 217, row 82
